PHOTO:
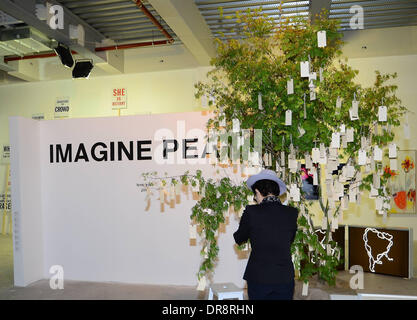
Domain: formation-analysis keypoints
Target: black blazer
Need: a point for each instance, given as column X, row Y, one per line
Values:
column 271, row 228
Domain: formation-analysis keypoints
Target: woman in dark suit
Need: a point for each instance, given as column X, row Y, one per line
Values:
column 270, row 226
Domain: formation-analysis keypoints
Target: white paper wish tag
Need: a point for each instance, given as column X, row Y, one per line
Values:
column 288, row 118
column 315, row 155
column 382, row 113
column 315, row 177
column 353, row 112
column 305, row 289
column 338, row 103
column 295, row 193
column 193, row 231
column 321, row 39
column 335, row 140
column 377, row 153
column 202, row 284
column 349, row 134
column 392, row 150
column 305, row 69
column 290, row 86
column 362, row 157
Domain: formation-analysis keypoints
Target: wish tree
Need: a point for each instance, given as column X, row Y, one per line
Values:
column 288, row 83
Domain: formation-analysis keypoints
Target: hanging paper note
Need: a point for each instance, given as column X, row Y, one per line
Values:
column 193, row 232
column 313, row 95
column 202, row 284
column 338, row 103
column 321, row 39
column 362, row 157
column 315, row 155
column 335, row 140
column 378, row 203
column 290, row 86
column 382, row 113
column 260, row 107
column 305, row 69
column 236, row 125
column 305, row 289
column 377, row 153
column 392, row 150
column 342, row 129
column 349, row 135
column 315, row 177
column 288, row 117
column 321, row 74
column 353, row 112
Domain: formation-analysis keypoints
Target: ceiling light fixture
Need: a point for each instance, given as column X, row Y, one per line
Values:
column 65, row 55
column 82, row 68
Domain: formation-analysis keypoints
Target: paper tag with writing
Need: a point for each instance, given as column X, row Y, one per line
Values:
column 321, row 39
column 202, row 284
column 392, row 150
column 335, row 140
column 362, row 157
column 290, row 86
column 305, row 289
column 349, row 134
column 382, row 113
column 305, row 69
column 288, row 117
column 315, row 155
column 377, row 153
column 315, row 176
column 313, row 95
column 353, row 112
column 193, row 231
column 338, row 103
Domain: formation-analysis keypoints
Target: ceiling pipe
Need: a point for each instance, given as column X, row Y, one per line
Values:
column 33, row 56
column 147, row 13
column 133, row 45
column 100, row 49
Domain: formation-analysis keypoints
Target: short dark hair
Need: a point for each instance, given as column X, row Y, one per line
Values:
column 266, row 187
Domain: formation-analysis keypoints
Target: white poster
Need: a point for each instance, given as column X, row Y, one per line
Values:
column 119, row 98
column 62, row 108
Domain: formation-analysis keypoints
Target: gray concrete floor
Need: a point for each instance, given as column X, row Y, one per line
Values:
column 373, row 283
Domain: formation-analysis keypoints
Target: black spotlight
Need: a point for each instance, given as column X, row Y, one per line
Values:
column 64, row 53
column 82, row 68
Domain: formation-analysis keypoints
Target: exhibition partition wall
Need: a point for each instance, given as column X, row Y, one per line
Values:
column 77, row 203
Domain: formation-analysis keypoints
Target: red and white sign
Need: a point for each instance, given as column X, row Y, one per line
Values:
column 119, row 99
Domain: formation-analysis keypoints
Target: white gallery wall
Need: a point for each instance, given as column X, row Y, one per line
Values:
column 90, row 217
